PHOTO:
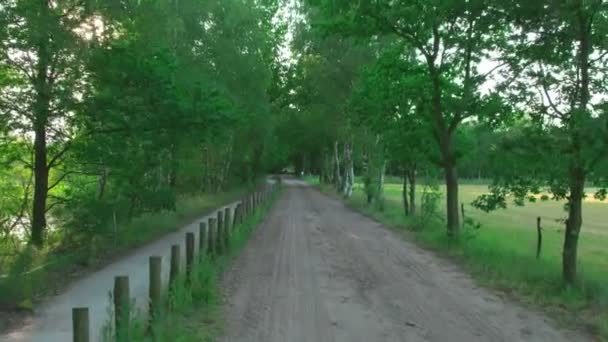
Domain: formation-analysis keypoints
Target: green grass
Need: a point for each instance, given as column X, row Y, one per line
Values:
column 48, row 270
column 193, row 312
column 501, row 254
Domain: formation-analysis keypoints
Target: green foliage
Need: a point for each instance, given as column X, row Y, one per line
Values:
column 513, row 90
column 115, row 111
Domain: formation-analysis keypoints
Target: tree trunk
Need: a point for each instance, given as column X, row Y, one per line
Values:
column 404, row 193
column 101, row 185
column 174, row 164
column 446, row 148
column 573, row 224
column 349, row 171
column 344, row 175
column 41, row 182
column 451, row 181
column 577, row 172
column 367, row 179
column 40, row 121
column 380, row 185
column 336, row 161
column 412, row 179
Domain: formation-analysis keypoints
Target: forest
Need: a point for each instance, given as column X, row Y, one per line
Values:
column 117, row 110
column 113, row 110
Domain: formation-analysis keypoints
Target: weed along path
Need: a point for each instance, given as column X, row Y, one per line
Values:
column 316, row 271
column 52, row 321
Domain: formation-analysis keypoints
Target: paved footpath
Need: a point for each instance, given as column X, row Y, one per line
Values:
column 52, row 321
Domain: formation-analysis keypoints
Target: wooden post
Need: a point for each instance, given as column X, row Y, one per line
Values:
column 539, row 241
column 241, row 212
column 155, row 285
column 219, row 244
column 121, row 307
column 202, row 239
column 462, row 212
column 174, row 270
column 211, row 236
column 189, row 255
column 80, row 324
column 237, row 214
column 227, row 227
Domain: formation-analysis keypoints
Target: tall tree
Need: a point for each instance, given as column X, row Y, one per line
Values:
column 390, row 100
column 451, row 38
column 558, row 57
column 40, row 44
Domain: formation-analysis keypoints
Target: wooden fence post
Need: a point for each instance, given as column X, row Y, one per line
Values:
column 219, row 244
column 237, row 214
column 189, row 255
column 462, row 212
column 202, row 239
column 155, row 285
column 227, row 227
column 211, row 236
column 174, row 270
column 539, row 241
column 80, row 324
column 121, row 307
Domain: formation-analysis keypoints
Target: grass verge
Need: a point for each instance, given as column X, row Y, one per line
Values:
column 35, row 274
column 193, row 312
column 497, row 258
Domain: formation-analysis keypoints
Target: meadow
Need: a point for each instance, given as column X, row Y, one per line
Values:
column 501, row 252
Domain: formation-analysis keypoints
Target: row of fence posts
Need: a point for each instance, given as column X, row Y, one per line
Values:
column 214, row 239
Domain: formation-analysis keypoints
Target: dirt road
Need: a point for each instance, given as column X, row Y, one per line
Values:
column 53, row 321
column 316, row 271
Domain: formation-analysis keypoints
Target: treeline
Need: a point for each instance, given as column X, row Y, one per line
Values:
column 513, row 91
column 111, row 109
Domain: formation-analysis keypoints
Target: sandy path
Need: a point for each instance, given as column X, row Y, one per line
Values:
column 53, row 321
column 317, row 271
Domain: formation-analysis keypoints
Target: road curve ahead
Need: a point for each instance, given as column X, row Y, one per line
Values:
column 316, row 271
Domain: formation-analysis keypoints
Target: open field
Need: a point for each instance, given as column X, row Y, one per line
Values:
column 519, row 224
column 501, row 253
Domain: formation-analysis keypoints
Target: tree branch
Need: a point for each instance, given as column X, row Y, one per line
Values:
column 546, row 92
column 54, row 161
column 60, row 179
